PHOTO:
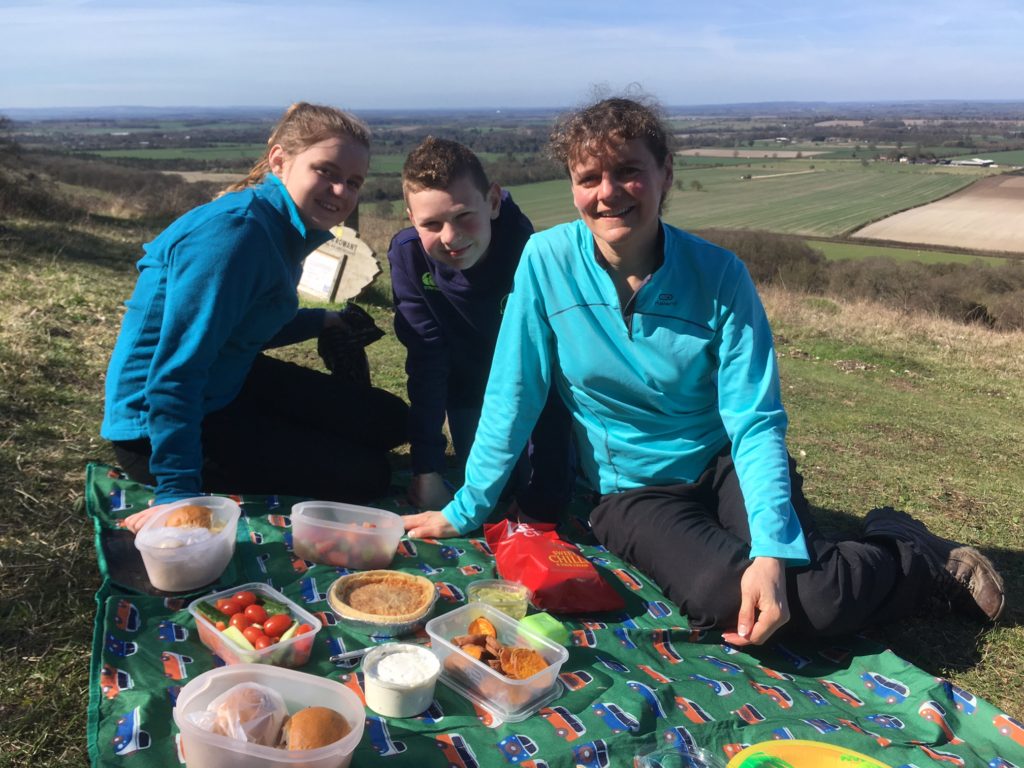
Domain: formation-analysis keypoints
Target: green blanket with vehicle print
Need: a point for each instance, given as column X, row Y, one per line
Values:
column 633, row 681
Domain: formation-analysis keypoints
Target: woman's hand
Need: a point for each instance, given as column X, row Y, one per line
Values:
column 763, row 606
column 429, row 525
column 428, row 491
column 135, row 522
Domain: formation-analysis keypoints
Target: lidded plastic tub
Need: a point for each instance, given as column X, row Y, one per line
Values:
column 511, row 700
column 345, row 535
column 185, row 559
column 203, row 749
column 293, row 652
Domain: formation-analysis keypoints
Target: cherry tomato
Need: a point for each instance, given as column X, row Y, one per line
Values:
column 303, row 629
column 275, row 626
column 251, row 633
column 240, row 620
column 256, row 613
column 244, row 598
column 262, row 642
column 221, row 626
column 227, row 606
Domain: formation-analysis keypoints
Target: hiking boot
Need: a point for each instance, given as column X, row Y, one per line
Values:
column 965, row 580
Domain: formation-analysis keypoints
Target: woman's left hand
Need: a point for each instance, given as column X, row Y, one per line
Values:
column 429, row 525
column 135, row 522
column 763, row 606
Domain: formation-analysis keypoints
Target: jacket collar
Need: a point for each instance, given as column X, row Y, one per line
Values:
column 276, row 193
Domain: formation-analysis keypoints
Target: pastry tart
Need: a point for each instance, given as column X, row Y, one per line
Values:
column 383, row 602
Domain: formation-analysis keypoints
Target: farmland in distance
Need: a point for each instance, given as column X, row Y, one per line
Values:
column 799, row 197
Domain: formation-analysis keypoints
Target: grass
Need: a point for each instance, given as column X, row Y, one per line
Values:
column 886, row 409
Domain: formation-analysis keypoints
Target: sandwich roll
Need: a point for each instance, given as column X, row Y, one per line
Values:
column 190, row 516
column 314, row 727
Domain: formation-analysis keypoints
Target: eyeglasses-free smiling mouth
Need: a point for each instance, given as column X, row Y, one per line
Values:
column 616, row 214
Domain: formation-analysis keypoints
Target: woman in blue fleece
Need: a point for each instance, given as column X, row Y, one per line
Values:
column 658, row 344
column 191, row 404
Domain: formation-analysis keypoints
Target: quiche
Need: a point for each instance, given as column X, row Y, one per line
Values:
column 382, row 597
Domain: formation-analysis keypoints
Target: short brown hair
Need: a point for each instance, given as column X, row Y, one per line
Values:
column 439, row 163
column 596, row 128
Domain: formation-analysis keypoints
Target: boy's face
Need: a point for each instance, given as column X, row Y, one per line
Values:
column 454, row 224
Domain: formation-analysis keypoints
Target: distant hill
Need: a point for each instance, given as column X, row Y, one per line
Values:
column 951, row 108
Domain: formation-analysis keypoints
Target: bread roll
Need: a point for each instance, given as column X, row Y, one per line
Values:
column 190, row 516
column 314, row 727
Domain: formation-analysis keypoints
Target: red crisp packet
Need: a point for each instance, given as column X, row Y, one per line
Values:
column 562, row 580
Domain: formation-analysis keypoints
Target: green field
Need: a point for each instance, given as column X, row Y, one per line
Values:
column 800, row 197
column 837, row 251
column 392, row 163
column 219, row 152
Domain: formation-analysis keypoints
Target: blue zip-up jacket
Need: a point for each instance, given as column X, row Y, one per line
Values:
column 214, row 289
column 654, row 395
column 448, row 320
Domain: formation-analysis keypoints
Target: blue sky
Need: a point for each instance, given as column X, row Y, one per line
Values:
column 545, row 53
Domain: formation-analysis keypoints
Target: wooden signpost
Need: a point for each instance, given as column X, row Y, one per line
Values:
column 339, row 269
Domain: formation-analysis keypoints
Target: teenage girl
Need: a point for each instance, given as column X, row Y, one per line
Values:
column 192, row 404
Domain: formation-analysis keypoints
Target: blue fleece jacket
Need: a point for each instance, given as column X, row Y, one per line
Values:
column 655, row 394
column 448, row 320
column 214, row 289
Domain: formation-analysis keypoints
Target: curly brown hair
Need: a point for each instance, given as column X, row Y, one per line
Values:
column 438, row 163
column 303, row 125
column 595, row 129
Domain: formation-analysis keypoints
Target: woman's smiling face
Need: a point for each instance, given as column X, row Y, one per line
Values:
column 324, row 179
column 619, row 192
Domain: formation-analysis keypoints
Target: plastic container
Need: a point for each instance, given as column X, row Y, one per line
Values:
column 203, row 749
column 400, row 692
column 683, row 757
column 293, row 652
column 345, row 535
column 511, row 700
column 509, row 597
column 186, row 568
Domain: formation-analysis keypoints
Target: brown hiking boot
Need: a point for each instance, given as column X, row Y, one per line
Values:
column 965, row 580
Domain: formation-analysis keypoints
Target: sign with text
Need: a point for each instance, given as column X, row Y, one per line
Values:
column 339, row 269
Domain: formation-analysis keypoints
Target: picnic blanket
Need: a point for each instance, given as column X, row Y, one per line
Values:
column 633, row 681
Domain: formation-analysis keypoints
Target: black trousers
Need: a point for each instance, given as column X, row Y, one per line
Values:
column 294, row 431
column 693, row 541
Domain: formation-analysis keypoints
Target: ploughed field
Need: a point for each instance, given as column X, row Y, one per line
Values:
column 988, row 215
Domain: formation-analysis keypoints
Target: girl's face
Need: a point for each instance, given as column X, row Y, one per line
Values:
column 619, row 193
column 323, row 180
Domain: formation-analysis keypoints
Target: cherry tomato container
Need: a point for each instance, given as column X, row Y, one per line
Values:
column 293, row 652
column 188, row 567
column 345, row 535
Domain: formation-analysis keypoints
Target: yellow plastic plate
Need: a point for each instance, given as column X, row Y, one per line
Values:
column 797, row 753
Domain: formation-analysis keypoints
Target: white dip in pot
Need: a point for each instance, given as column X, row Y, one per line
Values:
column 399, row 679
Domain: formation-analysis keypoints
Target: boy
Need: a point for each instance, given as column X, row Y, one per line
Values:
column 451, row 273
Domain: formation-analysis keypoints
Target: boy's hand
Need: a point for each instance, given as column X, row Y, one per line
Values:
column 763, row 607
column 429, row 525
column 428, row 491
